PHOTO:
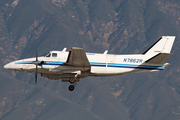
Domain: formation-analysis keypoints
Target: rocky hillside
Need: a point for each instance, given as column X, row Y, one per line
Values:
column 121, row 26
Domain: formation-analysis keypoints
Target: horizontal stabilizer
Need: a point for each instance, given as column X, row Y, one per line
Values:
column 77, row 58
column 160, row 58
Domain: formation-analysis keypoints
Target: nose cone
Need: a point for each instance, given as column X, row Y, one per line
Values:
column 7, row 66
column 13, row 66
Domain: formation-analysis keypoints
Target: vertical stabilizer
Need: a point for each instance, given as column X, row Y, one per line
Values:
column 163, row 45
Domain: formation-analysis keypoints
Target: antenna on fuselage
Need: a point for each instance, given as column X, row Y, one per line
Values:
column 105, row 52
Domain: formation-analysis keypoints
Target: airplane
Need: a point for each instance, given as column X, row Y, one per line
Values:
column 76, row 64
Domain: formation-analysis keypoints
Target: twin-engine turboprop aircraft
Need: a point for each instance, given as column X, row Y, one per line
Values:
column 76, row 64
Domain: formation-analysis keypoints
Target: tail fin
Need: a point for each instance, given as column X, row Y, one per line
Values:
column 159, row 52
column 163, row 45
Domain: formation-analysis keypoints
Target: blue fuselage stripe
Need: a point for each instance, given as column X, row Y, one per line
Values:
column 96, row 64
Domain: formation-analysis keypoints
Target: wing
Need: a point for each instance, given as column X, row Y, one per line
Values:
column 160, row 58
column 77, row 58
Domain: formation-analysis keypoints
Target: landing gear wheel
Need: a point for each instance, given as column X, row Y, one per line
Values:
column 71, row 87
column 71, row 80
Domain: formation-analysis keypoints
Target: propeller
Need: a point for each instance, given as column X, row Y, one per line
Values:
column 37, row 63
column 36, row 68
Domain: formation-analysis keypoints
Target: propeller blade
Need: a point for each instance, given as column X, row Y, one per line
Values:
column 36, row 68
column 36, row 75
column 35, row 78
column 36, row 56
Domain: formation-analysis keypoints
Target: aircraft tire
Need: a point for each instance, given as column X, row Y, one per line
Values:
column 71, row 87
column 71, row 80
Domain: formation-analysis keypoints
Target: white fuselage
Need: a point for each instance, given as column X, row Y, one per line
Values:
column 101, row 64
column 76, row 64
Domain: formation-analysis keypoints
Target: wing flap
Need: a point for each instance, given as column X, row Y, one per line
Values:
column 160, row 58
column 77, row 58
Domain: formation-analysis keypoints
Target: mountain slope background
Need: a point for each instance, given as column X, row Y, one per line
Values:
column 121, row 26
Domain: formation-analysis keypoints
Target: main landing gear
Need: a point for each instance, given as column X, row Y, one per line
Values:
column 71, row 87
column 73, row 81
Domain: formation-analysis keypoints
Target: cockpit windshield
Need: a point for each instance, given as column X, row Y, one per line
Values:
column 47, row 54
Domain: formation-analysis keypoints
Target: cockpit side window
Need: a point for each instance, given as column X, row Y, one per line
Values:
column 54, row 54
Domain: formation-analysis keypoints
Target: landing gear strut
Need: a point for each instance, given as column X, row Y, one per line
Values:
column 73, row 81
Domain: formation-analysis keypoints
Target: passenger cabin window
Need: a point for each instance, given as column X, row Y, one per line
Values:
column 54, row 54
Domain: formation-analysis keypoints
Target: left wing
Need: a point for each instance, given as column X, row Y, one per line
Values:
column 77, row 58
